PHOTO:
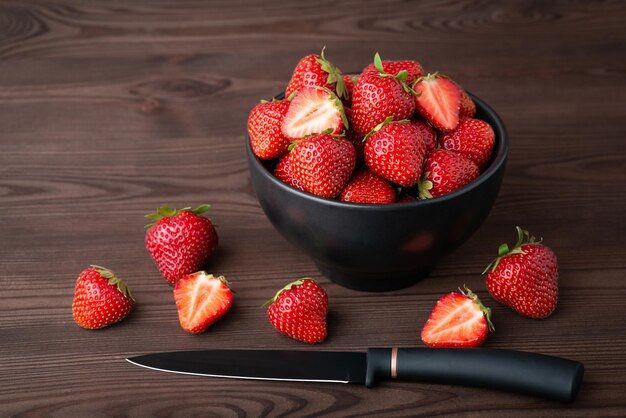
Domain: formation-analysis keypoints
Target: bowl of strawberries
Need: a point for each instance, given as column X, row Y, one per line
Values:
column 375, row 175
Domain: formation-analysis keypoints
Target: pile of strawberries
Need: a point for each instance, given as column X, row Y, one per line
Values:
column 390, row 134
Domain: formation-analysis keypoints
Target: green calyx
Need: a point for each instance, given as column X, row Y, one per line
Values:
column 523, row 238
column 400, row 77
column 288, row 287
column 486, row 311
column 334, row 75
column 380, row 126
column 166, row 212
column 114, row 281
column 424, row 187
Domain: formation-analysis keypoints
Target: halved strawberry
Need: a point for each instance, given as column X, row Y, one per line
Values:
column 438, row 100
column 314, row 110
column 458, row 320
column 201, row 300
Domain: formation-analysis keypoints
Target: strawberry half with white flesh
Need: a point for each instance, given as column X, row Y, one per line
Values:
column 458, row 320
column 201, row 299
column 314, row 110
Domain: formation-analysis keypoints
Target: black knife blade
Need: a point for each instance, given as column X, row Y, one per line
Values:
column 516, row 371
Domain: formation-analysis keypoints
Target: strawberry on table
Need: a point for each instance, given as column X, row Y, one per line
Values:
column 525, row 277
column 395, row 151
column 458, row 320
column 100, row 298
column 314, row 110
column 378, row 96
column 367, row 187
column 315, row 70
column 438, row 100
column 444, row 172
column 472, row 138
column 180, row 241
column 299, row 310
column 265, row 129
column 201, row 299
column 322, row 164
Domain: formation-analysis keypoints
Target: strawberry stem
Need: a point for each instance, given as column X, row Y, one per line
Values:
column 287, row 287
column 334, row 75
column 485, row 310
column 165, row 212
column 114, row 280
column 400, row 77
column 424, row 187
column 523, row 238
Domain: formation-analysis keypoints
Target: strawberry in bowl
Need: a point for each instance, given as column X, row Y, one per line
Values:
column 379, row 183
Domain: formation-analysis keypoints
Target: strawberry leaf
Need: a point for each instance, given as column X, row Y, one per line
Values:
column 287, row 287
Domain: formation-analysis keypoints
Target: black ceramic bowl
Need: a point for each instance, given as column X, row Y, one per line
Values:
column 381, row 247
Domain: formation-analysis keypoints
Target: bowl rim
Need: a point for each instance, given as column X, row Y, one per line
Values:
column 498, row 160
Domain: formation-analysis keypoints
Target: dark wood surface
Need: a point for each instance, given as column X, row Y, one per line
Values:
column 110, row 108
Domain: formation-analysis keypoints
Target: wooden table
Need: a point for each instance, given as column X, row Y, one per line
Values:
column 110, row 108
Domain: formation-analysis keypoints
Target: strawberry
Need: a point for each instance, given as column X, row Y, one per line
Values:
column 201, row 299
column 467, row 107
column 100, row 298
column 458, row 320
column 525, row 278
column 315, row 70
column 444, row 172
column 322, row 164
column 428, row 134
column 284, row 172
column 472, row 138
column 412, row 68
column 395, row 151
column 265, row 129
column 359, row 145
column 180, row 241
column 438, row 100
column 367, row 187
column 314, row 110
column 299, row 310
column 379, row 96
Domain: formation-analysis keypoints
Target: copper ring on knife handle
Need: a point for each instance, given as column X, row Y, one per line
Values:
column 394, row 362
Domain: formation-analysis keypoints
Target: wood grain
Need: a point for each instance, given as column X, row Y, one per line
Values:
column 110, row 108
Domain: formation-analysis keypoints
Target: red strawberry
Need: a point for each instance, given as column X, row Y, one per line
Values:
column 412, row 68
column 265, row 129
column 438, row 100
column 314, row 110
column 525, row 278
column 378, row 96
column 428, row 134
column 180, row 241
column 468, row 107
column 359, row 145
column 458, row 320
column 472, row 138
column 299, row 311
column 395, row 151
column 201, row 299
column 284, row 172
column 316, row 70
column 100, row 298
column 444, row 172
column 322, row 164
column 367, row 187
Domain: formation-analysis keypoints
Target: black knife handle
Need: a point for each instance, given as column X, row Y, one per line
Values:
column 514, row 371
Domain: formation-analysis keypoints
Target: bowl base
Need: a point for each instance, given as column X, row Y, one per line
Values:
column 374, row 282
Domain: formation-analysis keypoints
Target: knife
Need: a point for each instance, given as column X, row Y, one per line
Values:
column 515, row 371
